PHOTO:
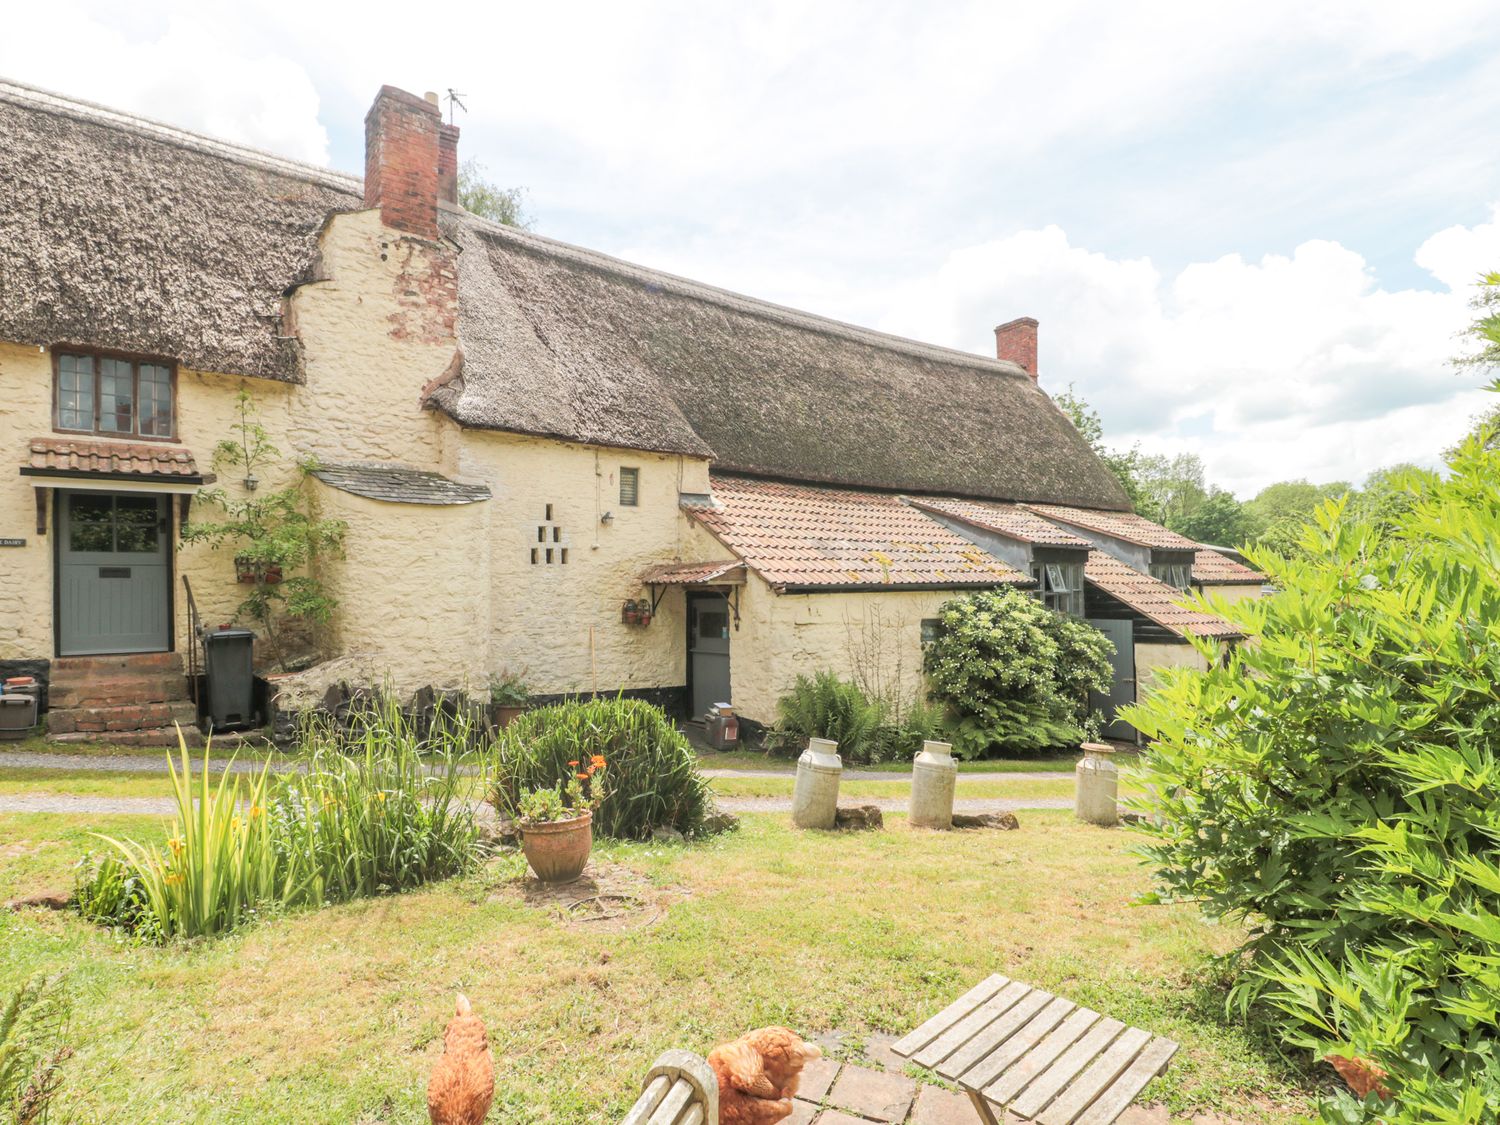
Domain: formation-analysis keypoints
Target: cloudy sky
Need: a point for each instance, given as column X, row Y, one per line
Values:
column 1248, row 231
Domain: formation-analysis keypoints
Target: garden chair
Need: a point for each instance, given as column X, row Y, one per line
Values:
column 1013, row 1048
column 679, row 1090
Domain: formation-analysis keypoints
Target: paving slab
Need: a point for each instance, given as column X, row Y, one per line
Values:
column 1144, row 1115
column 802, row 1113
column 936, row 1106
column 878, row 1051
column 835, row 1117
column 875, row 1094
column 817, row 1077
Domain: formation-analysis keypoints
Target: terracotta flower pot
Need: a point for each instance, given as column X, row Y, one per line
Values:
column 559, row 849
column 505, row 714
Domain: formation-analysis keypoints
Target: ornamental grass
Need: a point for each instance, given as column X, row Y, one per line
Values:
column 370, row 816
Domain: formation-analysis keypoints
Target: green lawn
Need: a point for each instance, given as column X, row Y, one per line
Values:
column 336, row 1015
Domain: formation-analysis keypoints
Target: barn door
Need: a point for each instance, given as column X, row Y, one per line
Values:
column 1122, row 687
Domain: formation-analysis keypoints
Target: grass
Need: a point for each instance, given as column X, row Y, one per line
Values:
column 337, row 1014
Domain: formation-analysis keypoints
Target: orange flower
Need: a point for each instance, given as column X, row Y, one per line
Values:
column 597, row 761
column 574, row 763
column 583, row 777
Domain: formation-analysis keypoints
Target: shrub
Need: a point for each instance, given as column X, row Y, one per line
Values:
column 33, row 1019
column 1337, row 786
column 867, row 731
column 653, row 774
column 371, row 815
column 1014, row 675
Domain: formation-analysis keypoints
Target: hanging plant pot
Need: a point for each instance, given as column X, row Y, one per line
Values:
column 644, row 616
column 245, row 569
column 272, row 575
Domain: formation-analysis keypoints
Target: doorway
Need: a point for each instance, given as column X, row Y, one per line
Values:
column 1122, row 682
column 113, row 573
column 708, row 651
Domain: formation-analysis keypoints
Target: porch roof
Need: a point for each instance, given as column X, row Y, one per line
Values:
column 802, row 537
column 1118, row 525
column 725, row 572
column 398, row 484
column 1154, row 599
column 67, row 458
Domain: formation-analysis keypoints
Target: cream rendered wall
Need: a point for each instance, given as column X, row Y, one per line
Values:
column 1233, row 594
column 559, row 624
column 375, row 330
column 413, row 589
column 1152, row 658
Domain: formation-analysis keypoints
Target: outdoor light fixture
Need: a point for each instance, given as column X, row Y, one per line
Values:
column 607, row 517
column 251, row 483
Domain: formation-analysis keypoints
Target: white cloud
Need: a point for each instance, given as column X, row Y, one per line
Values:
column 192, row 71
column 1289, row 366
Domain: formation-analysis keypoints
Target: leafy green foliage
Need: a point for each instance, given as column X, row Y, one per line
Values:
column 867, row 730
column 1336, row 785
column 490, row 201
column 371, row 815
column 1014, row 675
column 654, row 780
column 1125, row 464
column 1219, row 519
column 33, row 1020
column 277, row 532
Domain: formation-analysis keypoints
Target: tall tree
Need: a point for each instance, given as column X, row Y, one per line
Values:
column 488, row 200
column 1220, row 519
column 1124, row 464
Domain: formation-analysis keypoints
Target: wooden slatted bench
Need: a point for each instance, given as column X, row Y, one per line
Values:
column 1015, row 1048
column 680, row 1089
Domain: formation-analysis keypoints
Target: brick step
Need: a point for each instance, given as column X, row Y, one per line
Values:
column 124, row 664
column 160, row 736
column 136, row 717
column 117, row 691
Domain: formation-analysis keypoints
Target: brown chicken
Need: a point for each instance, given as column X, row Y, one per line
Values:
column 463, row 1082
column 758, row 1074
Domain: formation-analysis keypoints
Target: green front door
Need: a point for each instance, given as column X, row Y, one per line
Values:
column 113, row 580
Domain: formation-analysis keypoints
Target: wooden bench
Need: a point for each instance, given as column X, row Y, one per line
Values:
column 680, row 1089
column 1013, row 1048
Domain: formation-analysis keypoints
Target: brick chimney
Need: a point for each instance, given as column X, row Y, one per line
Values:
column 401, row 160
column 1015, row 340
column 448, row 163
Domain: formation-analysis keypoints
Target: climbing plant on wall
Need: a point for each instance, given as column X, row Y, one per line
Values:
column 278, row 535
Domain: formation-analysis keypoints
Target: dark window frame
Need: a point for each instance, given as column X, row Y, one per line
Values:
column 136, row 361
column 1069, row 602
column 635, row 492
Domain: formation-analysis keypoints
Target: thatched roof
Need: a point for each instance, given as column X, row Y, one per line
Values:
column 569, row 343
column 118, row 232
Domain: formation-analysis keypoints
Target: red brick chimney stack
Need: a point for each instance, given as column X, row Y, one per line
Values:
column 1015, row 340
column 401, row 160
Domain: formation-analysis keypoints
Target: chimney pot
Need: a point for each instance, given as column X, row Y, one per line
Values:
column 431, row 96
column 1015, row 340
column 402, row 159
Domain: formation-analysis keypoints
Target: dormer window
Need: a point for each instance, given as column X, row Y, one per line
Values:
column 1173, row 574
column 1060, row 586
column 113, row 396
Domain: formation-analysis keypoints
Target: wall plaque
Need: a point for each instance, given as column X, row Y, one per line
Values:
column 12, row 542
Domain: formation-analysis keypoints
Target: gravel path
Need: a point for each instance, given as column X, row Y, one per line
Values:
column 129, row 763
column 167, row 806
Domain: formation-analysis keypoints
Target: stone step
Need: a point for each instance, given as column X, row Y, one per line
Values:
column 66, row 668
column 160, row 736
column 111, row 720
column 117, row 691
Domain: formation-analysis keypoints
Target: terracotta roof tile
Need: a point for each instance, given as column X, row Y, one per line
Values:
column 794, row 535
column 1153, row 599
column 1210, row 568
column 693, row 573
column 1119, row 525
column 64, row 454
column 1010, row 520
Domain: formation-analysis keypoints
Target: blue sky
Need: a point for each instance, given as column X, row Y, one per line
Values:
column 1249, row 231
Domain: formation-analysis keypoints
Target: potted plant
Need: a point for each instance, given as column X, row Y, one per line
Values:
column 557, row 824
column 508, row 696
